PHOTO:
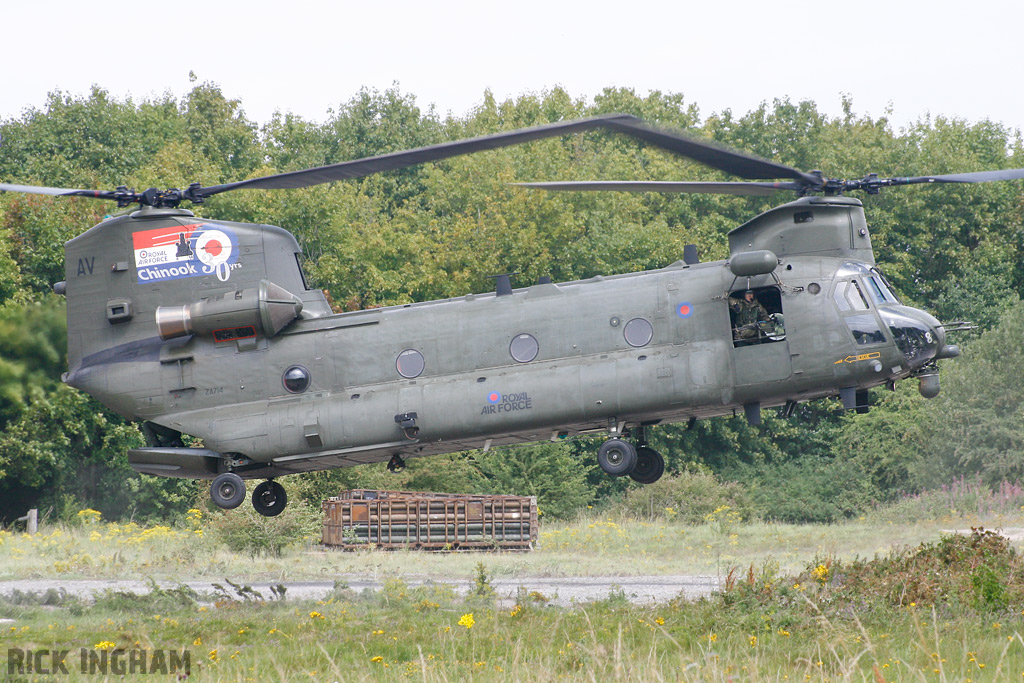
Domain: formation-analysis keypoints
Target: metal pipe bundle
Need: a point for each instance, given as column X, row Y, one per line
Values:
column 363, row 518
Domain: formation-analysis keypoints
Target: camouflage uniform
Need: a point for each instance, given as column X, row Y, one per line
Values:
column 748, row 314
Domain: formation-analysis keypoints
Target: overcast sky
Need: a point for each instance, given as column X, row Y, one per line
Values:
column 941, row 57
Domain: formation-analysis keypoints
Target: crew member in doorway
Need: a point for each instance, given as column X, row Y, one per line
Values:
column 749, row 312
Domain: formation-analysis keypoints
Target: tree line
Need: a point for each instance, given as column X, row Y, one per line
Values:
column 439, row 230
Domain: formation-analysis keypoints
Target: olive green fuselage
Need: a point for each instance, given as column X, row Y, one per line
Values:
column 593, row 370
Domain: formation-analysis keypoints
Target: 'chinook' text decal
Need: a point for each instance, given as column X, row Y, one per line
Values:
column 193, row 250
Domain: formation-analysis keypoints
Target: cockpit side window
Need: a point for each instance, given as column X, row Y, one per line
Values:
column 853, row 305
column 857, row 297
column 839, row 295
column 865, row 329
column 848, row 295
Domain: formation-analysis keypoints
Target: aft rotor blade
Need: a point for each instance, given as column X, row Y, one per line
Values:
column 760, row 189
column 711, row 154
column 58, row 191
column 359, row 168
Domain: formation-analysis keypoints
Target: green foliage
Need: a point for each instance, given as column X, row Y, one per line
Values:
column 155, row 601
column 62, row 438
column 246, row 531
column 688, row 496
column 65, row 453
column 33, row 342
column 976, row 426
column 548, row 471
column 551, row 472
column 980, row 571
column 963, row 498
column 482, row 587
column 808, row 489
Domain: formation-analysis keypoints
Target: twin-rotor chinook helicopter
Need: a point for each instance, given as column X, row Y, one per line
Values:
column 209, row 328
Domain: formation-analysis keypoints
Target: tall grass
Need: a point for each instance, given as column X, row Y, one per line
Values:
column 965, row 498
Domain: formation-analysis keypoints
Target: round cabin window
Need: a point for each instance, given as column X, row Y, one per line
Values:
column 410, row 363
column 523, row 348
column 296, row 379
column 638, row 332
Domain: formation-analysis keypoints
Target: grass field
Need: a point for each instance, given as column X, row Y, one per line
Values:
column 592, row 545
column 430, row 634
column 785, row 616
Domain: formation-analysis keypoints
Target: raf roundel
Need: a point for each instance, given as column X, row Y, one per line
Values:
column 684, row 310
column 494, row 397
column 213, row 247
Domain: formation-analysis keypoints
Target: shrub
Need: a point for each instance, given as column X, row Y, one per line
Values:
column 965, row 497
column 156, row 600
column 817, row 490
column 980, row 571
column 246, row 531
column 689, row 496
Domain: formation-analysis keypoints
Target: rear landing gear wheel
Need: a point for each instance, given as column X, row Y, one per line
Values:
column 227, row 490
column 649, row 465
column 269, row 499
column 616, row 457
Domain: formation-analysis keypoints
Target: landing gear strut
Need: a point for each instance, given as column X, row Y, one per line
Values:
column 396, row 464
column 269, row 498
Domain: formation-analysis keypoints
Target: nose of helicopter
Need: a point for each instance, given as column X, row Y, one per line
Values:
column 918, row 335
column 922, row 340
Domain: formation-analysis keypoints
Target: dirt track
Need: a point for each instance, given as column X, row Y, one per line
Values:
column 560, row 591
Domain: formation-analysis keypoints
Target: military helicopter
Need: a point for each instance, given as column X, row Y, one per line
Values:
column 209, row 328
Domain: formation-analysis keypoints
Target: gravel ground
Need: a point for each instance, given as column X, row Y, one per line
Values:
column 561, row 591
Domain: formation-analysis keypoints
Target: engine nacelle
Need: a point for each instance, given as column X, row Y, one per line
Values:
column 268, row 309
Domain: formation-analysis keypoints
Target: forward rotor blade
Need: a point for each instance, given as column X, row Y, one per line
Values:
column 359, row 168
column 975, row 177
column 711, row 154
column 58, row 191
column 760, row 189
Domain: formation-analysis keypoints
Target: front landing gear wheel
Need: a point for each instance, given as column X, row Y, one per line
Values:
column 616, row 457
column 649, row 465
column 269, row 499
column 227, row 490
